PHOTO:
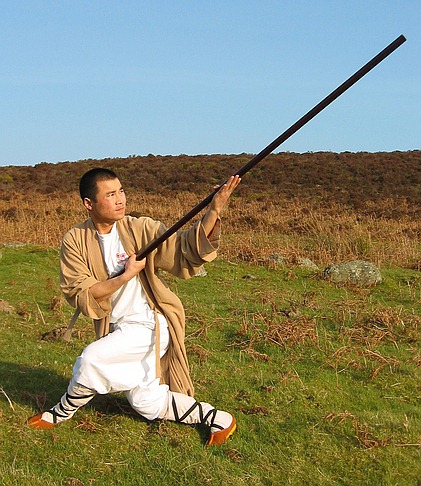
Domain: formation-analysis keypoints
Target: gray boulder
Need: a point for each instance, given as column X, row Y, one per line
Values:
column 277, row 259
column 357, row 272
column 307, row 263
column 201, row 273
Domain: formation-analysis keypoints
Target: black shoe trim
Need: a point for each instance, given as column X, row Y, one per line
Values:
column 202, row 419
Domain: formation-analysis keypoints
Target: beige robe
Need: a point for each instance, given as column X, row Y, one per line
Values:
column 182, row 254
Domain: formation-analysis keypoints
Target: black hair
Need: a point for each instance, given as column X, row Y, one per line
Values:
column 88, row 182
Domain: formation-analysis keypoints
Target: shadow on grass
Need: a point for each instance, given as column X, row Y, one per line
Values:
column 42, row 388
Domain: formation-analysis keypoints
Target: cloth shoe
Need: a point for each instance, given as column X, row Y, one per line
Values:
column 38, row 422
column 185, row 409
column 75, row 397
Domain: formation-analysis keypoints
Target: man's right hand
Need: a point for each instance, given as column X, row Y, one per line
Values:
column 133, row 267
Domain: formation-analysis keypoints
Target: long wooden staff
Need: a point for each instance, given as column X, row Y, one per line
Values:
column 264, row 153
column 272, row 146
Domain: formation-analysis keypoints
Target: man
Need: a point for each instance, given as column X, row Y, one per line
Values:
column 139, row 322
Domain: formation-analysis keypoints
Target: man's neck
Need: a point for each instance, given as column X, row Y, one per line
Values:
column 103, row 228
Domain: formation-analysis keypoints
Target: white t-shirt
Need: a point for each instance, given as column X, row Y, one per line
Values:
column 129, row 303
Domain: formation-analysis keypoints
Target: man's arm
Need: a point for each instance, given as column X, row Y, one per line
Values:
column 218, row 203
column 103, row 290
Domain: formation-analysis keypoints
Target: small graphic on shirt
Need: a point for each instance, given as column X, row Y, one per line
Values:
column 121, row 258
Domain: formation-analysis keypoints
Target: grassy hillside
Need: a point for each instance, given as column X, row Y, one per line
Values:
column 324, row 381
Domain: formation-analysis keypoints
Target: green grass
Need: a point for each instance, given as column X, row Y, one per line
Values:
column 324, row 382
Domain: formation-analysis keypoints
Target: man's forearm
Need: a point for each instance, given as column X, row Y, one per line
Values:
column 209, row 220
column 103, row 290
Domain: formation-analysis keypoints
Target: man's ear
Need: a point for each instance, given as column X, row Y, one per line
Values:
column 87, row 203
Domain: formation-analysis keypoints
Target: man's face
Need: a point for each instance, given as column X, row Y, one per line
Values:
column 110, row 203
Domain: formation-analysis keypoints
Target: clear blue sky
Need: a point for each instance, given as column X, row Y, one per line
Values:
column 99, row 78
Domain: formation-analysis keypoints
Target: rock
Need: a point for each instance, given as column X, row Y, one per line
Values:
column 357, row 272
column 307, row 263
column 201, row 273
column 277, row 259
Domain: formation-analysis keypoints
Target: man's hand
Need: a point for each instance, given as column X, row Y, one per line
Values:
column 221, row 197
column 218, row 203
column 133, row 267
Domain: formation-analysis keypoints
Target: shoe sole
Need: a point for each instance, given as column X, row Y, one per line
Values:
column 37, row 422
column 218, row 438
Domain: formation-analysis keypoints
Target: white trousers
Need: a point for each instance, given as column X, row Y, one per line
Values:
column 125, row 361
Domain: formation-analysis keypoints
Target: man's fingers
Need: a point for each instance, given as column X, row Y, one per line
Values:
column 232, row 183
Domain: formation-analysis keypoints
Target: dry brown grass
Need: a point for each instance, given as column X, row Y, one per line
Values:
column 390, row 324
column 370, row 330
column 324, row 206
column 364, row 437
column 253, row 230
column 272, row 327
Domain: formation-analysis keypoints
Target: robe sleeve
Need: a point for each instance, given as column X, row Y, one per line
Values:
column 186, row 251
column 76, row 279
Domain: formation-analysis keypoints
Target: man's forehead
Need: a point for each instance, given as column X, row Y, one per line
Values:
column 106, row 185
